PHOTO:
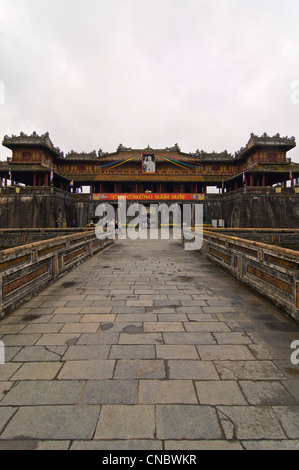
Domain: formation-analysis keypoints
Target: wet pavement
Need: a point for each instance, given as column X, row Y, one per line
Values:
column 148, row 346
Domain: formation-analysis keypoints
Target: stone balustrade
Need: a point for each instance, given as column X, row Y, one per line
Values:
column 270, row 270
column 288, row 237
column 26, row 270
column 11, row 237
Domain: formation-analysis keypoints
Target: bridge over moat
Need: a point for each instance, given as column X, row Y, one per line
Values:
column 148, row 346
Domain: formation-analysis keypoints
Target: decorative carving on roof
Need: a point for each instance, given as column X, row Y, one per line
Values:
column 266, row 139
column 175, row 148
column 33, row 139
column 102, row 154
column 72, row 155
column 201, row 154
column 44, row 141
column 149, row 148
column 121, row 148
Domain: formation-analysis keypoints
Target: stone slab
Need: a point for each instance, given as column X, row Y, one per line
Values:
column 163, row 326
column 248, row 370
column 126, row 422
column 188, row 338
column 187, row 422
column 289, row 419
column 117, row 445
column 221, row 392
column 180, row 351
column 5, row 416
column 167, row 391
column 140, row 338
column 53, row 422
column 140, row 369
column 87, row 369
column 249, row 422
column 98, row 338
column 58, row 339
column 193, row 370
column 145, row 351
column 121, row 392
column 86, row 352
column 36, row 354
column 47, row 392
column 202, row 444
column 37, row 371
column 224, row 352
column 270, row 392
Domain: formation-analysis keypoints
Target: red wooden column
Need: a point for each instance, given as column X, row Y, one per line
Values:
column 264, row 180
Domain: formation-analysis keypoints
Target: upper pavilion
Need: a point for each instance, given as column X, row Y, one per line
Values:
column 36, row 161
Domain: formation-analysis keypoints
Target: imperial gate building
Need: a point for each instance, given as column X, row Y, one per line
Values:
column 46, row 185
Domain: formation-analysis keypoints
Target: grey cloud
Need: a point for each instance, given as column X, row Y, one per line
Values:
column 201, row 73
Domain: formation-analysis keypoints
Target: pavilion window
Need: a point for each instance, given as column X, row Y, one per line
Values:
column 26, row 156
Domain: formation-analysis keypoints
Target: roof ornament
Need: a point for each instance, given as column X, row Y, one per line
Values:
column 175, row 148
column 101, row 153
column 121, row 148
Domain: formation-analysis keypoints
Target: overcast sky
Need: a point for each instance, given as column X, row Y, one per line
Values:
column 200, row 73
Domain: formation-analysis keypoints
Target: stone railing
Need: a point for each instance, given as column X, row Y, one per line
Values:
column 270, row 270
column 256, row 190
column 27, row 269
column 11, row 237
column 43, row 191
column 272, row 236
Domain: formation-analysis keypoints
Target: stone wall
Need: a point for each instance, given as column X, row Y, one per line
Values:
column 246, row 207
column 26, row 270
column 11, row 237
column 262, row 207
column 272, row 271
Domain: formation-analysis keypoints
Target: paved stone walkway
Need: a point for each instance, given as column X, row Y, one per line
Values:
column 147, row 346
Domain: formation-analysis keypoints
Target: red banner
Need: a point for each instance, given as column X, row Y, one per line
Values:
column 149, row 197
